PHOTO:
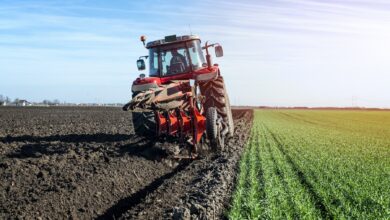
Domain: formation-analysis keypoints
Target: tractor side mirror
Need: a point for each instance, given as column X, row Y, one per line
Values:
column 218, row 51
column 141, row 64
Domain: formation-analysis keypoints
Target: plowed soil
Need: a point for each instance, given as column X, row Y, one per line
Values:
column 86, row 163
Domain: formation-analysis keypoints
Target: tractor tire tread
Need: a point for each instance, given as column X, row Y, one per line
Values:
column 144, row 123
column 216, row 96
column 211, row 124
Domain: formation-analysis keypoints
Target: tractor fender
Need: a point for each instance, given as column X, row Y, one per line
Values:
column 206, row 74
column 143, row 84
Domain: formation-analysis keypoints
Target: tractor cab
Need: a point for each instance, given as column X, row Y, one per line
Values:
column 180, row 56
column 177, row 57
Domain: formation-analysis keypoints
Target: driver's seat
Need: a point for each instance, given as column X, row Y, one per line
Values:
column 177, row 68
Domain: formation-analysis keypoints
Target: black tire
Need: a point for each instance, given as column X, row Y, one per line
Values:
column 211, row 124
column 214, row 92
column 216, row 96
column 217, row 142
column 144, row 123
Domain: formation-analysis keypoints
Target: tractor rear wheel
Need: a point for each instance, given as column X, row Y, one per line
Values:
column 144, row 123
column 216, row 96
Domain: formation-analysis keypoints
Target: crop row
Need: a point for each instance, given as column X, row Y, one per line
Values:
column 315, row 164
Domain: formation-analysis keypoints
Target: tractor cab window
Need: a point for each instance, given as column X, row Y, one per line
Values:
column 153, row 61
column 174, row 61
column 196, row 55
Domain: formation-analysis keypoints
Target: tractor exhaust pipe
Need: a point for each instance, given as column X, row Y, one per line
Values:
column 208, row 59
column 208, row 56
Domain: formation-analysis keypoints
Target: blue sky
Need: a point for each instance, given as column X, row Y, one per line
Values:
column 278, row 53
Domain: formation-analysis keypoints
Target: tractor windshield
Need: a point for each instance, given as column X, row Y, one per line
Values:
column 176, row 59
column 196, row 55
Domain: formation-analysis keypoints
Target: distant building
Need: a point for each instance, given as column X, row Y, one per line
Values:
column 23, row 103
column 3, row 103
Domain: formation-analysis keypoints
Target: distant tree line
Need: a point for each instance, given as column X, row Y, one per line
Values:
column 49, row 102
column 6, row 99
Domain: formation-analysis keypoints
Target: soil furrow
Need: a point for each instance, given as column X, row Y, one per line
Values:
column 203, row 190
column 86, row 163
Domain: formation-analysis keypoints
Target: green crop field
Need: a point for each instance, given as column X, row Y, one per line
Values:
column 315, row 164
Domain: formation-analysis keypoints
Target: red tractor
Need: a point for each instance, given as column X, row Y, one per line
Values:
column 184, row 96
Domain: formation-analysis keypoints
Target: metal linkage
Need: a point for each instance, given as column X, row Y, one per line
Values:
column 183, row 124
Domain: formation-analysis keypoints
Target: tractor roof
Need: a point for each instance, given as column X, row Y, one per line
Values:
column 172, row 39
